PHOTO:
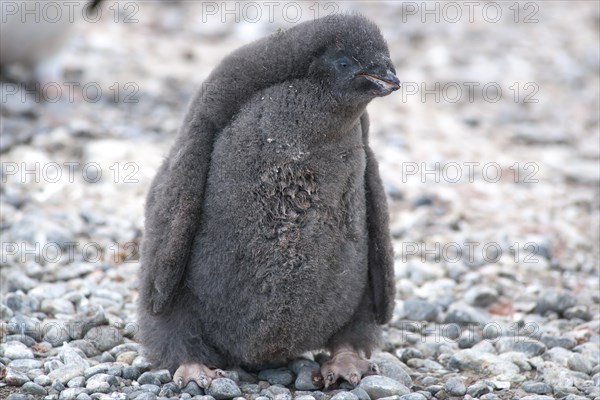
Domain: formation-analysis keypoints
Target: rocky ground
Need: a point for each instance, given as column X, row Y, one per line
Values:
column 494, row 201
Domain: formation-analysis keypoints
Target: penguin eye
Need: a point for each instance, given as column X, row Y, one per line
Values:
column 343, row 63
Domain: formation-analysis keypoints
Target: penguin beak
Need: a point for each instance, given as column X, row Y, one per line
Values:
column 386, row 82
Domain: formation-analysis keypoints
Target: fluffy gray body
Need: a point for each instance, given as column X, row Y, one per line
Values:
column 285, row 237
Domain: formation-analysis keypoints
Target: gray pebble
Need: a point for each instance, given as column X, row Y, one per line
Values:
column 300, row 363
column 34, row 389
column 193, row 389
column 318, row 395
column 25, row 365
column 480, row 388
column 77, row 382
column 481, row 296
column 107, row 357
column 392, row 367
column 100, row 383
column 304, row 397
column 57, row 306
column 344, row 396
column 536, row 387
column 578, row 312
column 455, row 387
column 281, row 376
column 187, row 396
column 554, row 300
column 146, row 396
column 71, row 393
column 141, row 363
column 530, row 347
column 148, row 378
column 86, row 347
column 420, row 310
column 408, row 353
column 433, row 389
column 360, row 393
column 25, row 339
column 96, row 369
column 250, row 388
column 42, row 380
column 131, row 373
column 16, row 350
column 17, row 396
column 413, row 396
column 425, row 394
column 304, row 379
column 148, row 387
column 537, row 397
column 65, row 374
column 381, row 386
column 83, row 396
column 579, row 363
column 104, row 337
column 115, row 370
column 223, row 388
column 558, row 341
column 15, row 378
column 489, row 396
column 463, row 314
column 163, row 375
column 58, row 386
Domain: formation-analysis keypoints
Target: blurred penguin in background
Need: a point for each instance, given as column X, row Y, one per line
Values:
column 33, row 32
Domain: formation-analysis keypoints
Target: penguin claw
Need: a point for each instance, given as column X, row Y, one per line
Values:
column 347, row 365
column 196, row 372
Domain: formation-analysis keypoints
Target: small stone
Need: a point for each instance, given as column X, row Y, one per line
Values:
column 150, row 388
column 16, row 351
column 300, row 363
column 17, row 396
column 360, row 393
column 127, row 357
column 148, row 378
column 57, row 306
column 42, row 380
column 15, row 378
column 578, row 312
column 392, row 367
column 530, row 347
column 96, row 369
column 536, row 387
column 278, row 391
column 193, row 389
column 434, row 389
column 146, row 396
column 455, row 387
column 34, row 389
column 480, row 388
column 163, row 375
column 381, row 386
column 25, row 365
column 65, row 374
column 554, row 300
column 83, row 396
column 281, row 376
column 107, row 357
column 537, row 397
column 408, row 353
column 250, row 388
column 141, row 363
column 58, row 386
column 558, row 341
column 131, row 373
column 481, row 296
column 579, row 363
column 100, row 383
column 304, row 379
column 77, row 382
column 420, row 310
column 463, row 314
column 71, row 393
column 104, row 337
column 344, row 396
column 115, row 370
column 304, row 397
column 73, row 357
column 25, row 339
column 223, row 388
column 413, row 396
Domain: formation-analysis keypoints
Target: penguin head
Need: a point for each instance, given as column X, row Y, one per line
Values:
column 350, row 79
column 354, row 67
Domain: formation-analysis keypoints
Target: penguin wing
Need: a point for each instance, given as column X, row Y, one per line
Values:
column 173, row 211
column 381, row 255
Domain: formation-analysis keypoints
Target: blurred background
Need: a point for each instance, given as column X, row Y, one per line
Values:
column 489, row 153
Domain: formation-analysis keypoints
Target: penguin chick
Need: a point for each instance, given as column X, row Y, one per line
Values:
column 267, row 227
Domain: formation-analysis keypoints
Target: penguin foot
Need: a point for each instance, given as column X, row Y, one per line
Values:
column 348, row 365
column 198, row 373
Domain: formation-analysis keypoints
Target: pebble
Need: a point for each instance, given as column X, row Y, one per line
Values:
column 381, row 386
column 148, row 387
column 281, row 376
column 413, row 396
column 455, row 387
column 536, row 387
column 344, row 396
column 25, row 364
column 223, row 388
column 77, row 382
column 42, row 380
column 530, row 347
column 392, row 367
column 15, row 378
column 420, row 310
column 71, row 393
column 100, row 383
column 104, row 337
column 579, row 363
column 16, row 351
column 481, row 296
column 360, row 393
column 149, row 378
column 34, row 389
column 480, row 388
column 554, row 300
column 193, row 389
